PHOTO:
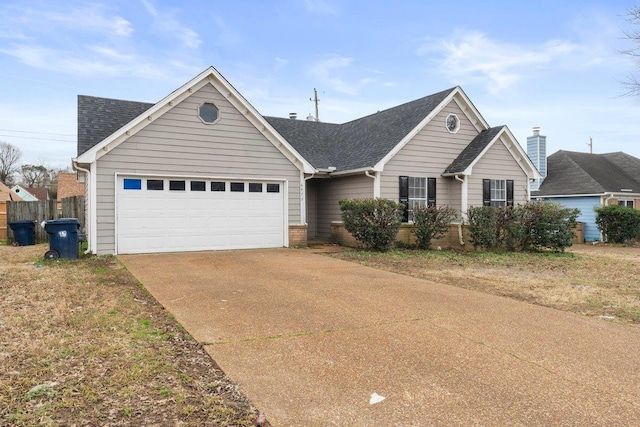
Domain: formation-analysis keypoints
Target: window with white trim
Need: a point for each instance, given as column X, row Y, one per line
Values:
column 626, row 202
column 416, row 192
column 497, row 192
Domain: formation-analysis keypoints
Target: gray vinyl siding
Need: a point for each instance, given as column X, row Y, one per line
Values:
column 428, row 154
column 311, row 194
column 331, row 191
column 497, row 163
column 179, row 143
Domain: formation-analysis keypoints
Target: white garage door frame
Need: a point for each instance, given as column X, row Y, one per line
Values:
column 246, row 179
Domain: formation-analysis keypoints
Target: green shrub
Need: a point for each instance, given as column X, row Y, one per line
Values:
column 372, row 222
column 618, row 223
column 532, row 226
column 431, row 222
column 551, row 225
column 483, row 226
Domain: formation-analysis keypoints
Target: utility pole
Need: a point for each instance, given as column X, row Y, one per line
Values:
column 315, row 100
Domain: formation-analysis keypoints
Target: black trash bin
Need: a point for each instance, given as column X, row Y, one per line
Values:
column 63, row 238
column 24, row 232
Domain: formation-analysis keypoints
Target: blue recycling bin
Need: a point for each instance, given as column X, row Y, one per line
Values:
column 63, row 238
column 24, row 232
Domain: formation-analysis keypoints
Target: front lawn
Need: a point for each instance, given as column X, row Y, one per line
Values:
column 589, row 280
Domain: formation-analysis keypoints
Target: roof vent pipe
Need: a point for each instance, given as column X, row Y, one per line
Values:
column 293, row 116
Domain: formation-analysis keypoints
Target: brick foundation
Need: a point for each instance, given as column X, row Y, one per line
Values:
column 451, row 240
column 297, row 235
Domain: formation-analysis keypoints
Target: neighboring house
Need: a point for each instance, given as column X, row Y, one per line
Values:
column 8, row 195
column 203, row 170
column 24, row 193
column 68, row 186
column 588, row 181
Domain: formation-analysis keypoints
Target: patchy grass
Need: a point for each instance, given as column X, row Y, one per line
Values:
column 82, row 343
column 592, row 281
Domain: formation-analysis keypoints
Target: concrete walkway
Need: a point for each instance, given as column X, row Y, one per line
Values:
column 309, row 339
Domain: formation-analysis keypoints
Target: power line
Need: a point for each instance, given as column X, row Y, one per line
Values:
column 33, row 137
column 42, row 133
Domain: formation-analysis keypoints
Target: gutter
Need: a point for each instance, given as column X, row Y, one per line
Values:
column 463, row 195
column 87, row 172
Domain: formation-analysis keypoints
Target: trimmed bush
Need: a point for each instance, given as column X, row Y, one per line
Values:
column 618, row 223
column 431, row 222
column 372, row 222
column 483, row 226
column 532, row 226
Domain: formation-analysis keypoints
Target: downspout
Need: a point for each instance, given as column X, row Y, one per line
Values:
column 463, row 205
column 376, row 184
column 87, row 173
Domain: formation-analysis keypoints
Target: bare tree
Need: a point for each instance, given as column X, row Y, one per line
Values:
column 9, row 158
column 633, row 17
column 35, row 175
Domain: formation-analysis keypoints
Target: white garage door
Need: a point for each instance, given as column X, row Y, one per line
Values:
column 176, row 214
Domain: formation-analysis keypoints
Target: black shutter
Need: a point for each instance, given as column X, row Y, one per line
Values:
column 431, row 191
column 509, row 192
column 404, row 196
column 486, row 192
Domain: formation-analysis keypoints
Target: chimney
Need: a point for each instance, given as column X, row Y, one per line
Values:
column 293, row 116
column 537, row 152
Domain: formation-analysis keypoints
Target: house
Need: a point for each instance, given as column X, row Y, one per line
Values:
column 203, row 170
column 588, row 181
column 8, row 195
column 68, row 186
column 25, row 193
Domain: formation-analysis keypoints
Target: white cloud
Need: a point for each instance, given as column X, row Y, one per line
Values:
column 93, row 19
column 167, row 23
column 472, row 56
column 320, row 7
column 328, row 73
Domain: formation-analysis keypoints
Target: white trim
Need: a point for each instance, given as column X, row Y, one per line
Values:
column 550, row 196
column 93, row 211
column 457, row 95
column 353, row 172
column 285, row 197
column 217, row 113
column 457, row 126
column 377, row 185
column 213, row 77
column 511, row 144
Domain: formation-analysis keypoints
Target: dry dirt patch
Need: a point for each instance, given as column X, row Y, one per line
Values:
column 82, row 343
column 589, row 280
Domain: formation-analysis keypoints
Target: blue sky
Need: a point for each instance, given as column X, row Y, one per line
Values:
column 552, row 64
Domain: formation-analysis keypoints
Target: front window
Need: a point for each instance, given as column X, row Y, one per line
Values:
column 417, row 194
column 498, row 192
column 627, row 203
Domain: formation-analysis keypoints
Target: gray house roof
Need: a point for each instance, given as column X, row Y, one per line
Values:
column 360, row 143
column 473, row 150
column 576, row 173
column 100, row 117
column 357, row 144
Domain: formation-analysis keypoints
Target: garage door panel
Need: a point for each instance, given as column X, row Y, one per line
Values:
column 170, row 221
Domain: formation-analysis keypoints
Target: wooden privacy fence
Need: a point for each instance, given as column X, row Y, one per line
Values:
column 3, row 221
column 42, row 210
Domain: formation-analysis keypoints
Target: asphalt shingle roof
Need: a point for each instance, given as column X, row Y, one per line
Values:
column 570, row 172
column 100, row 117
column 473, row 150
column 357, row 144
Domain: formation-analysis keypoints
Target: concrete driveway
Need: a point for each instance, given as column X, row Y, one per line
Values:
column 310, row 339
